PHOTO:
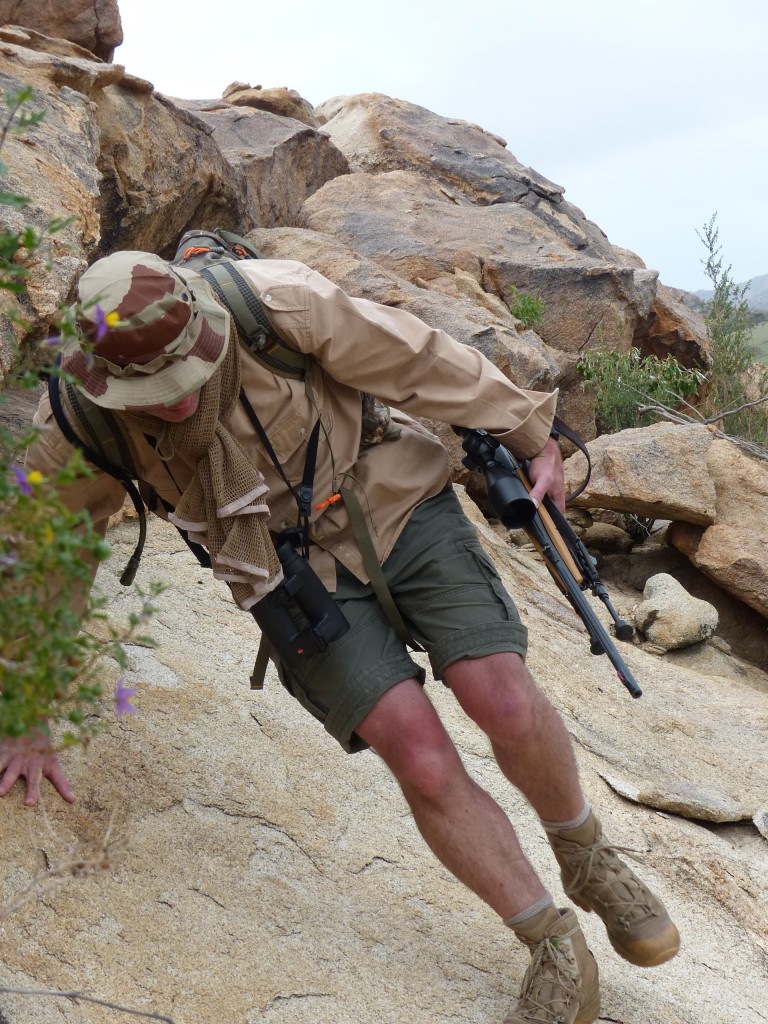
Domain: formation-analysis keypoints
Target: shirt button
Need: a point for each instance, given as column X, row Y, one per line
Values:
column 302, row 431
column 267, row 297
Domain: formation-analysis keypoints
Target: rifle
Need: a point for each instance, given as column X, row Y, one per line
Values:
column 568, row 561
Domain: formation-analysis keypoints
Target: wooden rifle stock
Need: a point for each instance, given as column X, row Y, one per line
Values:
column 567, row 560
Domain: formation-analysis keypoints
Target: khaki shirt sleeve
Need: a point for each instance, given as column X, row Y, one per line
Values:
column 409, row 365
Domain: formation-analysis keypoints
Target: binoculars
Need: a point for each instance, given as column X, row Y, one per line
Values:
column 299, row 618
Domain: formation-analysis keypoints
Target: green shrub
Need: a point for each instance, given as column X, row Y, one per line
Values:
column 738, row 384
column 525, row 307
column 622, row 381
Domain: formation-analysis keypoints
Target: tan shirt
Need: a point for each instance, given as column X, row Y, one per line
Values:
column 356, row 345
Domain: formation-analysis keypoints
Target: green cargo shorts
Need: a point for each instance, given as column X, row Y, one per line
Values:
column 451, row 599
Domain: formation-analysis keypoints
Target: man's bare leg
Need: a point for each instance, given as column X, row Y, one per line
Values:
column 463, row 826
column 529, row 740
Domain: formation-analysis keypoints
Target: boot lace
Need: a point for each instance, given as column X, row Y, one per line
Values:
column 601, row 876
column 551, row 984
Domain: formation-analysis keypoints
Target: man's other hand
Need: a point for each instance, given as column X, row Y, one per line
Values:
column 545, row 472
column 32, row 757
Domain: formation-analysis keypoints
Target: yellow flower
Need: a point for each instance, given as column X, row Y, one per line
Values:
column 112, row 319
column 48, row 534
column 35, row 477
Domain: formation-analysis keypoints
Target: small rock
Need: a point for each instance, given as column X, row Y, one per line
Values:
column 670, row 618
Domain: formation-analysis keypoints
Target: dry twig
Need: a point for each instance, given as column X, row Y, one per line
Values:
column 676, row 416
column 76, row 996
column 76, row 863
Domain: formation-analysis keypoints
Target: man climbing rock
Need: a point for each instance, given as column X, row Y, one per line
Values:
column 230, row 444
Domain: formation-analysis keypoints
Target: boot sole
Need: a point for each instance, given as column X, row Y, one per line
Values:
column 663, row 955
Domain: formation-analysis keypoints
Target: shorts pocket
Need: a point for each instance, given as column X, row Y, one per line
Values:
column 491, row 574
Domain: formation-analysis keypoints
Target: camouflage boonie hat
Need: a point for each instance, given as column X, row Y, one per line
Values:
column 156, row 331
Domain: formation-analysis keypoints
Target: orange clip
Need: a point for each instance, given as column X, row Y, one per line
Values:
column 194, row 250
column 328, row 501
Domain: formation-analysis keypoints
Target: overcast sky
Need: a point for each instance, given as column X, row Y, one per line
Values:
column 653, row 114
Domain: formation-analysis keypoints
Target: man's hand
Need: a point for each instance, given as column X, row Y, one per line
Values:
column 545, row 472
column 32, row 757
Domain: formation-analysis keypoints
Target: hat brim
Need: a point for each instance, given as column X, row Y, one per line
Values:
column 167, row 384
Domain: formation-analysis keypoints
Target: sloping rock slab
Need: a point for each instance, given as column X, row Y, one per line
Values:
column 681, row 797
column 694, row 744
column 271, row 878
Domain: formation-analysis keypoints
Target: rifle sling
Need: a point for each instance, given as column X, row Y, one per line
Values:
column 573, row 437
column 372, row 567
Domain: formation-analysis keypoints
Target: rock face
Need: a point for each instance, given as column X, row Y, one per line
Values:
column 266, row 876
column 280, row 160
column 439, row 203
column 465, row 202
column 715, row 493
column 670, row 617
column 284, row 102
column 129, row 169
column 92, row 24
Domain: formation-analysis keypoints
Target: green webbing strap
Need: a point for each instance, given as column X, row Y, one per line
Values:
column 372, row 567
column 260, row 665
column 118, row 471
column 252, row 322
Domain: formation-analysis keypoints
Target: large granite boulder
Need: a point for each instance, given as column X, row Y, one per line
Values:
column 282, row 101
column 379, row 134
column 281, row 160
column 122, row 164
column 670, row 617
column 92, row 24
column 716, row 494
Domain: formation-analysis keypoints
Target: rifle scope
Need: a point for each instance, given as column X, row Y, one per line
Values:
column 506, row 491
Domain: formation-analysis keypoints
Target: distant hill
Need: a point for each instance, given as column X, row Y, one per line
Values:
column 757, row 294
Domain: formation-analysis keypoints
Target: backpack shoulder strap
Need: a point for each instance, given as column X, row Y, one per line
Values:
column 106, row 448
column 213, row 254
column 254, row 326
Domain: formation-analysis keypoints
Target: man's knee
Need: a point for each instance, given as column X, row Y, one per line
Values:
column 498, row 693
column 406, row 732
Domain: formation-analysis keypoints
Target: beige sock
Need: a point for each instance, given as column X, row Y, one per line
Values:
column 543, row 903
column 565, row 826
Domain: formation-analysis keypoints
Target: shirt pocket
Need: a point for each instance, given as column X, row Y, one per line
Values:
column 288, row 416
column 288, row 307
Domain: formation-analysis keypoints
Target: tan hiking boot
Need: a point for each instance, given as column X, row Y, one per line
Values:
column 561, row 983
column 596, row 879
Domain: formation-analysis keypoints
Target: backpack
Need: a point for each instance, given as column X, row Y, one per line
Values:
column 96, row 432
column 213, row 255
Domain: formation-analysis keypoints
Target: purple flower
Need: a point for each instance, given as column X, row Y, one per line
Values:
column 101, row 322
column 54, row 340
column 123, row 694
column 21, row 480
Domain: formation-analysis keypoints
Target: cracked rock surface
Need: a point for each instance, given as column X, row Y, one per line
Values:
column 268, row 877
